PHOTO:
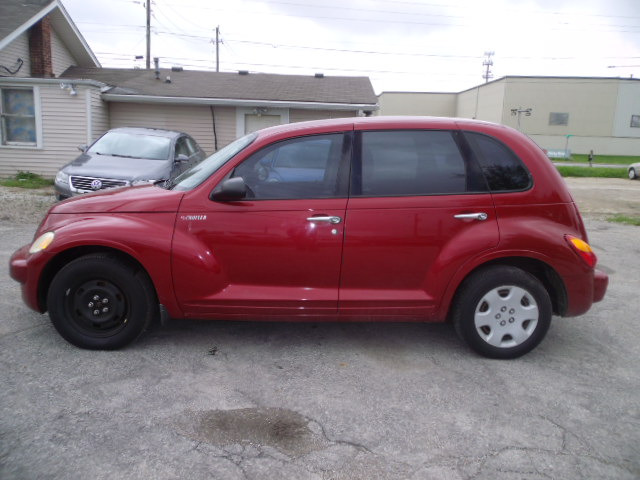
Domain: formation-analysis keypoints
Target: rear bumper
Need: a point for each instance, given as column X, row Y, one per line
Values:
column 600, row 284
column 583, row 290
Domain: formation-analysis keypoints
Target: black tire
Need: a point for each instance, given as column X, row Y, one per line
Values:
column 98, row 302
column 633, row 175
column 502, row 312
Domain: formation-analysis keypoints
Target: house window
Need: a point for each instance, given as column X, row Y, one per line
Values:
column 635, row 121
column 556, row 118
column 17, row 116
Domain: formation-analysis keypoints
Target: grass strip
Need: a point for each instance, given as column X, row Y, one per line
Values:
column 627, row 220
column 26, row 180
column 596, row 172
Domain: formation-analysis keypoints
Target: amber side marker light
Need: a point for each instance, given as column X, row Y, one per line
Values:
column 582, row 248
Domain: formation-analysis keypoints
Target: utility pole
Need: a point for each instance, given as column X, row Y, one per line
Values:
column 487, row 63
column 148, row 34
column 218, row 48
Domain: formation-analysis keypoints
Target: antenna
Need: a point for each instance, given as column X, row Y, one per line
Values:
column 488, row 63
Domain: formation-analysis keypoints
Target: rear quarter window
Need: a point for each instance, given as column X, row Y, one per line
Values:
column 502, row 168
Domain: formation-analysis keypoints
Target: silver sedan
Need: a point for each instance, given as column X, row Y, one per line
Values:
column 634, row 171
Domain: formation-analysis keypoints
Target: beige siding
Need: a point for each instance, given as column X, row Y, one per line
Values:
column 61, row 58
column 194, row 120
column 299, row 115
column 19, row 48
column 100, row 114
column 64, row 127
column 416, row 103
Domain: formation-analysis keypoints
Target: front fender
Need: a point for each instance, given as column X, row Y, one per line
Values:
column 144, row 237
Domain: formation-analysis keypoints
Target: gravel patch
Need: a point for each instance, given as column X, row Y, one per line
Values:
column 20, row 205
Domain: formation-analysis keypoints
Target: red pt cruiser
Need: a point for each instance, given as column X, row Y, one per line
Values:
column 360, row 219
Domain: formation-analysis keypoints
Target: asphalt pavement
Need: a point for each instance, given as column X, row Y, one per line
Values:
column 227, row 400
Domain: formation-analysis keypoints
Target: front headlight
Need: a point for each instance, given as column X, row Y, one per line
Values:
column 143, row 182
column 42, row 242
column 62, row 178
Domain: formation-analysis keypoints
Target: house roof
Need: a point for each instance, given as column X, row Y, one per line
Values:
column 17, row 16
column 356, row 91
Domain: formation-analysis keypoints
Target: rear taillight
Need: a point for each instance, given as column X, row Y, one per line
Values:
column 583, row 250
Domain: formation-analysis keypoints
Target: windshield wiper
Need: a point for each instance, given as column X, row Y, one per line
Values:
column 118, row 155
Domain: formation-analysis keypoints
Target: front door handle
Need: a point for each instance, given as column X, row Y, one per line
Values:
column 472, row 216
column 327, row 219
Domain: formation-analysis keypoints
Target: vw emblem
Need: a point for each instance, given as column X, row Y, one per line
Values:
column 96, row 184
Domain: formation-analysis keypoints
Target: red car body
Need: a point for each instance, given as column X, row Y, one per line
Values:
column 389, row 258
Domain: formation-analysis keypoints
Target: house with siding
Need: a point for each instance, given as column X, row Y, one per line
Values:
column 218, row 107
column 54, row 95
column 41, row 124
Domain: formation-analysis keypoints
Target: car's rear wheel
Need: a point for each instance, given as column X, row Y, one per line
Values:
column 502, row 312
column 99, row 302
column 632, row 173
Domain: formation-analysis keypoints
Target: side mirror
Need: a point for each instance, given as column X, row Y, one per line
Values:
column 181, row 158
column 83, row 148
column 232, row 189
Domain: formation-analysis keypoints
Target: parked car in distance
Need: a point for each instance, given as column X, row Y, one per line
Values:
column 361, row 219
column 634, row 171
column 128, row 156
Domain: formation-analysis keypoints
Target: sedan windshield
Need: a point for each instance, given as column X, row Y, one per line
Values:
column 129, row 145
column 198, row 174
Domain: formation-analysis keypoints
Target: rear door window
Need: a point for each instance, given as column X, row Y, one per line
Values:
column 413, row 162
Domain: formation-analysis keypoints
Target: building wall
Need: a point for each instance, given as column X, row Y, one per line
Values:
column 467, row 103
column 19, row 48
column 196, row 120
column 628, row 104
column 64, row 127
column 416, row 103
column 590, row 103
column 485, row 102
column 61, row 58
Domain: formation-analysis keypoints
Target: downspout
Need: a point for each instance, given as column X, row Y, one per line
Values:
column 213, row 122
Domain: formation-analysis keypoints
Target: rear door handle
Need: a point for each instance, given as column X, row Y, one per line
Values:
column 327, row 219
column 472, row 216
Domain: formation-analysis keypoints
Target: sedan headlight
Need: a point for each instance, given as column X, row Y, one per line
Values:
column 62, row 178
column 143, row 182
column 42, row 242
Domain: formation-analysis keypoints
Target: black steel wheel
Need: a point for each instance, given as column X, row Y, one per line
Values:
column 100, row 302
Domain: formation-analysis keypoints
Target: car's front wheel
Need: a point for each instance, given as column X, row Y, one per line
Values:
column 99, row 302
column 632, row 173
column 502, row 312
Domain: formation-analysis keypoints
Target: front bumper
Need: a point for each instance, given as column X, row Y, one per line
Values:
column 27, row 275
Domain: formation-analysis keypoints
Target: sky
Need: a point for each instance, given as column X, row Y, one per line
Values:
column 408, row 45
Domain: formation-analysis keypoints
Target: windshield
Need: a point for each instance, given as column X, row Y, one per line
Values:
column 198, row 174
column 129, row 145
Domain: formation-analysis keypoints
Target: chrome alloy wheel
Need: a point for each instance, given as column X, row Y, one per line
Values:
column 506, row 316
